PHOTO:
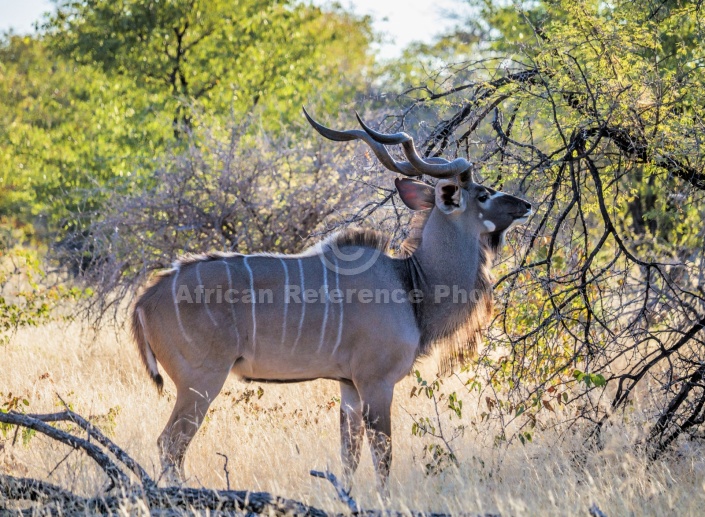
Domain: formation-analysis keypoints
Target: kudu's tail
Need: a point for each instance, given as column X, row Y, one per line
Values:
column 148, row 358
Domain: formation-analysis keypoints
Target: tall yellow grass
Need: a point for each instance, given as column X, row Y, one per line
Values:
column 274, row 440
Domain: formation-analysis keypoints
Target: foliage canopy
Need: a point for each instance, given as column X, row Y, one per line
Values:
column 105, row 88
column 594, row 110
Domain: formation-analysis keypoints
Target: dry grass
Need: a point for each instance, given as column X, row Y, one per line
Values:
column 272, row 442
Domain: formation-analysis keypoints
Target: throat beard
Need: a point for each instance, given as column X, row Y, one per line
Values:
column 455, row 329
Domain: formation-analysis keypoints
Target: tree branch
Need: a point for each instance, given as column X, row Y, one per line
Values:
column 116, row 475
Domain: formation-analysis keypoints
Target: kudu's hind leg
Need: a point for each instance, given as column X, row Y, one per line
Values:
column 376, row 411
column 351, row 430
column 192, row 402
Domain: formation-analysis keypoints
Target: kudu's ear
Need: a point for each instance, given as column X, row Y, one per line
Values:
column 415, row 194
column 449, row 196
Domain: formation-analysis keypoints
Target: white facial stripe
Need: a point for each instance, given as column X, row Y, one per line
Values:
column 286, row 301
column 489, row 225
column 206, row 305
column 490, row 198
column 325, row 310
column 252, row 293
column 176, row 307
column 303, row 305
column 342, row 302
column 232, row 308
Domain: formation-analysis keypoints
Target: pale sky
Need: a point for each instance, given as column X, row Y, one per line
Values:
column 403, row 21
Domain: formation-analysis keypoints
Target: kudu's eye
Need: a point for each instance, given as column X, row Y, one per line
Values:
column 482, row 198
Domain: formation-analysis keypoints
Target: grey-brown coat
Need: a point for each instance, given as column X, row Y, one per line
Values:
column 345, row 309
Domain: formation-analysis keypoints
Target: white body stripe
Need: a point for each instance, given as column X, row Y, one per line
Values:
column 200, row 282
column 252, row 292
column 342, row 303
column 286, row 300
column 303, row 305
column 176, row 307
column 325, row 310
column 232, row 309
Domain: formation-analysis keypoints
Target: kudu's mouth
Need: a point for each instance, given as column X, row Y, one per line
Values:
column 522, row 219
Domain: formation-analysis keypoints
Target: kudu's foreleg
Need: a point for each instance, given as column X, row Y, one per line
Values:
column 351, row 430
column 376, row 412
column 192, row 402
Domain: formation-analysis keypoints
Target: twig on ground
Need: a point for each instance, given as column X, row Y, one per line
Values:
column 225, row 469
column 60, row 462
column 343, row 494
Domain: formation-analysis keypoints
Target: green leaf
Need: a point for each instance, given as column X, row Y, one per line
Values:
column 598, row 380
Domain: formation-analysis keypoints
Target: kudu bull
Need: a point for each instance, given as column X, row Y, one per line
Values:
column 318, row 315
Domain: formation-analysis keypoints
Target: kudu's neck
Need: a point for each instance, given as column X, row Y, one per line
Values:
column 449, row 254
column 448, row 267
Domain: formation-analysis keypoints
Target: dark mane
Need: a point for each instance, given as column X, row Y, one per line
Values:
column 379, row 241
column 360, row 237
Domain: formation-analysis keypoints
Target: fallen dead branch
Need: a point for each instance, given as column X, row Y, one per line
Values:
column 13, row 489
column 131, row 486
column 36, row 423
column 124, row 489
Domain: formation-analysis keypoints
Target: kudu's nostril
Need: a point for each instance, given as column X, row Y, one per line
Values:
column 528, row 205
